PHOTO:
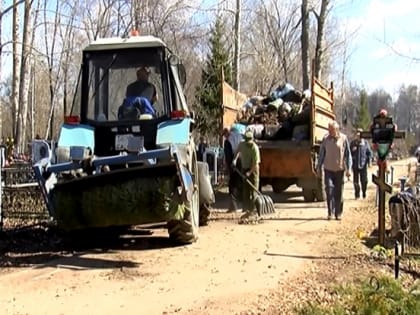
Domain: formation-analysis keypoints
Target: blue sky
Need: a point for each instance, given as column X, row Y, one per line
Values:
column 382, row 28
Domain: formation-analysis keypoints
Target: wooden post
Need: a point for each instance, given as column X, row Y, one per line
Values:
column 383, row 187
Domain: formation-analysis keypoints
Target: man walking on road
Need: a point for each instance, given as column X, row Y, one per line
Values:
column 249, row 153
column 334, row 155
column 361, row 155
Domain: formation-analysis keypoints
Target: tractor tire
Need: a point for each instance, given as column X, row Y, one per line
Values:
column 185, row 231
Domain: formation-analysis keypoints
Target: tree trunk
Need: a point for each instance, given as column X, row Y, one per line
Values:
column 24, row 79
column 1, row 61
column 319, row 49
column 236, row 60
column 304, row 40
column 68, row 34
column 32, row 102
column 342, row 112
column 49, row 134
column 32, row 75
column 16, row 67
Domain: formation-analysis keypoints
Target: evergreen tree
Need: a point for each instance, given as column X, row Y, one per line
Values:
column 363, row 119
column 208, row 94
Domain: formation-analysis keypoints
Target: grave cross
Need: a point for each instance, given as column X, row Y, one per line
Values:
column 382, row 132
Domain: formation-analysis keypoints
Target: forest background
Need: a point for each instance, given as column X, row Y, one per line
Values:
column 258, row 45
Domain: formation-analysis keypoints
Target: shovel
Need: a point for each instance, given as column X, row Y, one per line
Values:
column 263, row 203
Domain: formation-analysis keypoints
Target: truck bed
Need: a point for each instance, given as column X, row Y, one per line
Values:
column 285, row 159
column 283, row 144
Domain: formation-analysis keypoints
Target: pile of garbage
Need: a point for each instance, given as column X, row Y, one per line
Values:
column 282, row 115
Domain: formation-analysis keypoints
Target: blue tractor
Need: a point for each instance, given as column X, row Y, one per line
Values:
column 123, row 159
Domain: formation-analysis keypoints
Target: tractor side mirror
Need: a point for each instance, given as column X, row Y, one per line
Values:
column 182, row 74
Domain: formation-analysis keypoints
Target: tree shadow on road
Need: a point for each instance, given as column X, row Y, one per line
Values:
column 295, row 219
column 312, row 257
column 44, row 246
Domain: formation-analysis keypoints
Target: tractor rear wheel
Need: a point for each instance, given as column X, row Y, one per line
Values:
column 185, row 231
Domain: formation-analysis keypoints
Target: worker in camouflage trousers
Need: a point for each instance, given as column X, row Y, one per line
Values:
column 249, row 154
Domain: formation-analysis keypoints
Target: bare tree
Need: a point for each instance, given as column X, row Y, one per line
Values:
column 50, row 54
column 319, row 49
column 2, row 14
column 272, row 45
column 304, row 40
column 20, row 136
column 237, row 46
column 67, row 36
column 1, row 49
column 16, row 67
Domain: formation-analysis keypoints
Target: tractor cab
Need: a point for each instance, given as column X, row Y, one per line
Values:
column 128, row 87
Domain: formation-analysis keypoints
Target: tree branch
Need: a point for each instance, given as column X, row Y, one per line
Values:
column 10, row 8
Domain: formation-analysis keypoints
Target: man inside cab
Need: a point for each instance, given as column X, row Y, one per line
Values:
column 139, row 97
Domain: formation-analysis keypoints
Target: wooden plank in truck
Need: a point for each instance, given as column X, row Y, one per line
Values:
column 232, row 102
column 322, row 110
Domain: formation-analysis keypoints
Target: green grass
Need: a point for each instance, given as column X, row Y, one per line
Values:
column 382, row 296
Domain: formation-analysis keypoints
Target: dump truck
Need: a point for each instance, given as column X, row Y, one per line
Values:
column 292, row 161
column 122, row 160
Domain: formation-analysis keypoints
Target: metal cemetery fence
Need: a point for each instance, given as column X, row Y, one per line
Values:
column 20, row 198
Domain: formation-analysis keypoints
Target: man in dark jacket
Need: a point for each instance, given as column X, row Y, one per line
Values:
column 142, row 86
column 201, row 149
column 230, row 145
column 361, row 156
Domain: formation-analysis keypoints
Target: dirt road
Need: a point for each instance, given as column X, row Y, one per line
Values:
column 142, row 273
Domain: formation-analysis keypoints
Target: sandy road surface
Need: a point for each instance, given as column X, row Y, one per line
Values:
column 222, row 273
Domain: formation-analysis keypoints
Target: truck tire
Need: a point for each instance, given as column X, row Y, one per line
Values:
column 280, row 185
column 204, row 214
column 185, row 231
column 320, row 194
column 308, row 194
column 313, row 189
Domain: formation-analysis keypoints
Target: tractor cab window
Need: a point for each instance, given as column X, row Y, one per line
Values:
column 125, row 85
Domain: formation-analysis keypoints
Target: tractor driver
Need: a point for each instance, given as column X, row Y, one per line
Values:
column 139, row 97
column 142, row 86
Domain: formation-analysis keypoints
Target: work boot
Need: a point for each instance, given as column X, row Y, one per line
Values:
column 249, row 217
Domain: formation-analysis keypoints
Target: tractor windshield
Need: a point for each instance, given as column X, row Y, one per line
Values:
column 124, row 84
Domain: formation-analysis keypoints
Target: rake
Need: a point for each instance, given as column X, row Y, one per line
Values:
column 263, row 203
